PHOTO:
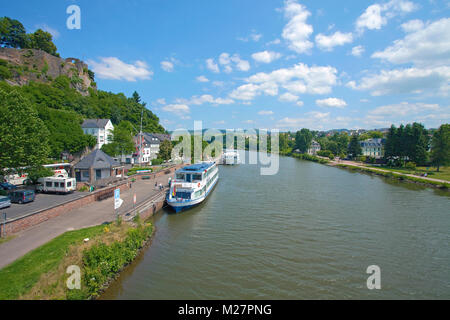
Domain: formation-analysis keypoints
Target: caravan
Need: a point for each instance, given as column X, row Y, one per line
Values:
column 56, row 185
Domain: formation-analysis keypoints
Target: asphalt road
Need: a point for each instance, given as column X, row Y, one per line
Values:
column 42, row 201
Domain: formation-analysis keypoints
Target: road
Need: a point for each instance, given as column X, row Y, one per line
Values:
column 93, row 214
column 42, row 201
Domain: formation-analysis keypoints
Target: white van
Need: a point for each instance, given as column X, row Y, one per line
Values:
column 57, row 185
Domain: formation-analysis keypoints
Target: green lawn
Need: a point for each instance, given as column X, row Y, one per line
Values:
column 20, row 276
column 443, row 174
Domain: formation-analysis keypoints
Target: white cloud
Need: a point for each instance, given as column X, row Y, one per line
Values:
column 114, row 69
column 403, row 109
column 180, row 110
column 288, row 97
column 314, row 120
column 167, row 66
column 266, row 56
column 249, row 121
column 412, row 25
column 298, row 79
column 273, row 42
column 161, row 101
column 254, row 36
column 411, row 80
column 357, row 51
column 429, row 46
column 300, row 103
column 265, row 112
column 228, row 62
column 206, row 98
column 377, row 15
column 211, row 65
column 202, row 79
column 327, row 43
column 297, row 31
column 331, row 102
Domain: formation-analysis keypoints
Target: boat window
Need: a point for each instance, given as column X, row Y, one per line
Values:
column 180, row 176
column 183, row 195
column 197, row 177
column 188, row 178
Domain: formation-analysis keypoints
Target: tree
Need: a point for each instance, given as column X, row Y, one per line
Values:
column 440, row 153
column 24, row 137
column 165, row 150
column 136, row 97
column 42, row 40
column 303, row 140
column 354, row 148
column 12, row 33
column 122, row 140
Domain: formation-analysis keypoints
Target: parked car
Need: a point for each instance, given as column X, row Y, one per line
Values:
column 5, row 202
column 7, row 186
column 22, row 196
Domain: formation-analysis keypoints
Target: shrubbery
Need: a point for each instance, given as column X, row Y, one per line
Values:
column 102, row 262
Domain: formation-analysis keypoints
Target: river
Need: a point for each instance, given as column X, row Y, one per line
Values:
column 309, row 232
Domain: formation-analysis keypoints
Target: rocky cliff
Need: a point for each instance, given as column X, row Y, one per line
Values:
column 27, row 65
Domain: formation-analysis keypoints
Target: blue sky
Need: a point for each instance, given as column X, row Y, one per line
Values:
column 263, row 64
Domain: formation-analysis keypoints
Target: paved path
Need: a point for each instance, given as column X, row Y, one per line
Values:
column 92, row 214
column 356, row 164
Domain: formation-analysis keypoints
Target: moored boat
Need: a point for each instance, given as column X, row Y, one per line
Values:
column 192, row 185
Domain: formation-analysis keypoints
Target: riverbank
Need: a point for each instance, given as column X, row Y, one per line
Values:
column 425, row 181
column 100, row 252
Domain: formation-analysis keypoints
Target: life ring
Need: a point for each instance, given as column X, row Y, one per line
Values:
column 199, row 184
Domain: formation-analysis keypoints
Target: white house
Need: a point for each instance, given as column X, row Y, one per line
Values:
column 150, row 147
column 101, row 129
column 314, row 148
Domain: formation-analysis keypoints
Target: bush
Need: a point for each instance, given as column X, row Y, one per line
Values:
column 157, row 161
column 410, row 165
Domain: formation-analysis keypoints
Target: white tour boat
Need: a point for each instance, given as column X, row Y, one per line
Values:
column 192, row 185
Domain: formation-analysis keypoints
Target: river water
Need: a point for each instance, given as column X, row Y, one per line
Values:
column 309, row 232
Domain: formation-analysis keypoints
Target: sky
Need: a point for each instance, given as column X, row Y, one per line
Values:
column 270, row 64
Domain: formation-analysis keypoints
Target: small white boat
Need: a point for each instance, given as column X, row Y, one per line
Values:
column 192, row 185
column 230, row 157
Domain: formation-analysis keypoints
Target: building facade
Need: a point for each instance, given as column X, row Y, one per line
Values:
column 373, row 148
column 96, row 166
column 314, row 148
column 101, row 129
column 149, row 148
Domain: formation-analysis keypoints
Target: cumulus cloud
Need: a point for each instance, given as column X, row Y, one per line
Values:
column 202, row 79
column 254, row 36
column 410, row 80
column 167, row 66
column 357, row 51
column 297, row 31
column 412, row 25
column 427, row 46
column 377, row 15
column 266, row 56
column 265, row 112
column 299, row 79
column 112, row 68
column 327, row 43
column 288, row 97
column 180, row 110
column 212, row 66
column 331, row 102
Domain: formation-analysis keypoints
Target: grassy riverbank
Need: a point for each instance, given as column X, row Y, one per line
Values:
column 394, row 175
column 41, row 273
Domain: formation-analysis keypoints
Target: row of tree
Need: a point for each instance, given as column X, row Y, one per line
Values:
column 14, row 35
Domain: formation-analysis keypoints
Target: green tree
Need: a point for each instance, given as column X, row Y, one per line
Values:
column 122, row 140
column 440, row 148
column 12, row 33
column 354, row 148
column 136, row 97
column 42, row 40
column 165, row 150
column 303, row 140
column 24, row 137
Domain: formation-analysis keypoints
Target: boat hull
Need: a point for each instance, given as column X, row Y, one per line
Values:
column 179, row 206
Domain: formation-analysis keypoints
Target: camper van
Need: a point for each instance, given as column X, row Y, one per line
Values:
column 56, row 185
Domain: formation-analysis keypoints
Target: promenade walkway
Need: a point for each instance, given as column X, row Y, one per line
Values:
column 359, row 165
column 93, row 214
